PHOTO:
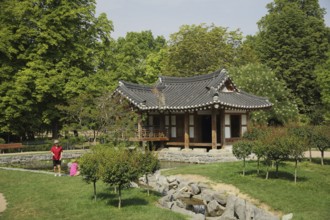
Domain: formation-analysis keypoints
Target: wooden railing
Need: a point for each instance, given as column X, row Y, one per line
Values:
column 151, row 134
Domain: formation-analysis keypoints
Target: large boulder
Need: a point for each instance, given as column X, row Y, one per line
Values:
column 214, row 209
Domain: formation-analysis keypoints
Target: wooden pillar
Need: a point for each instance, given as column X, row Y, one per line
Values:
column 139, row 134
column 186, row 130
column 222, row 124
column 214, row 128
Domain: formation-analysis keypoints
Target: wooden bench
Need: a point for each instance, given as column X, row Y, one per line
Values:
column 4, row 147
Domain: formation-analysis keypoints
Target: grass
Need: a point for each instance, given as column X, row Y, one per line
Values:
column 308, row 199
column 41, row 196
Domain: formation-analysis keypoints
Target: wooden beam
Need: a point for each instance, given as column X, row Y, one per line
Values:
column 214, row 128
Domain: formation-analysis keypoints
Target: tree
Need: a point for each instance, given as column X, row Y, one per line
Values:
column 276, row 148
column 81, row 115
column 120, row 168
column 48, row 54
column 292, row 40
column 258, row 149
column 297, row 147
column 241, row 150
column 260, row 80
column 199, row 49
column 320, row 138
column 131, row 53
column 90, row 167
column 322, row 72
column 148, row 163
column 118, row 119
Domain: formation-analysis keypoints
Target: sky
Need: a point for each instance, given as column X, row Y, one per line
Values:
column 165, row 17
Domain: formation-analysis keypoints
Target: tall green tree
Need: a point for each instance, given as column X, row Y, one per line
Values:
column 199, row 49
column 48, row 54
column 323, row 79
column 292, row 40
column 131, row 53
column 260, row 80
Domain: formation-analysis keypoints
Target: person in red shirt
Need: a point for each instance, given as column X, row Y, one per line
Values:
column 57, row 156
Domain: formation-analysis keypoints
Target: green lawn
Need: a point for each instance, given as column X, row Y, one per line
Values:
column 42, row 196
column 308, row 199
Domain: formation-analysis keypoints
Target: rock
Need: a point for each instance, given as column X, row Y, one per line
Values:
column 239, row 208
column 214, row 209
column 195, row 189
column 287, row 216
column 229, row 213
column 171, row 179
column 221, row 197
column 260, row 214
column 207, row 195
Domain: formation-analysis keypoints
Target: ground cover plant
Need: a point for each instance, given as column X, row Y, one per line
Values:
column 42, row 196
column 308, row 199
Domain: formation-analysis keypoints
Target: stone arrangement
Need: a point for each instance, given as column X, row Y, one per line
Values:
column 202, row 203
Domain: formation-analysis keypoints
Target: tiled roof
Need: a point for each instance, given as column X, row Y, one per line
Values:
column 189, row 93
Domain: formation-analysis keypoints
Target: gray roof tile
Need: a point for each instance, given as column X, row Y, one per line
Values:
column 176, row 93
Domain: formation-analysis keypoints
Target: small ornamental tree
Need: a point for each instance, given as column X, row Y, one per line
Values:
column 297, row 147
column 276, row 148
column 255, row 134
column 320, row 138
column 259, row 150
column 241, row 150
column 120, row 168
column 148, row 164
column 89, row 165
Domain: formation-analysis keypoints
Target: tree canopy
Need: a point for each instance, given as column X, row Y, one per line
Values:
column 292, row 40
column 48, row 55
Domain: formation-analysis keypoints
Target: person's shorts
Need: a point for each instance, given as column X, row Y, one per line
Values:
column 56, row 162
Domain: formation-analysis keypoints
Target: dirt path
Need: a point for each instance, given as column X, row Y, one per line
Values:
column 3, row 203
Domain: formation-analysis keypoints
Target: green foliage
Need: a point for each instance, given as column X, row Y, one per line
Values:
column 323, row 79
column 131, row 54
column 2, row 141
column 89, row 165
column 119, row 168
column 199, row 49
column 312, row 192
column 48, row 54
column 148, row 164
column 261, row 81
column 319, row 137
column 118, row 119
column 292, row 40
column 241, row 150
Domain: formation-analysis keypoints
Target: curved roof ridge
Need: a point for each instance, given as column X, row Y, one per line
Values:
column 196, row 78
column 135, row 85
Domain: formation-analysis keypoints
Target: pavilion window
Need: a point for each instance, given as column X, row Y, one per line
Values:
column 191, row 126
column 173, row 126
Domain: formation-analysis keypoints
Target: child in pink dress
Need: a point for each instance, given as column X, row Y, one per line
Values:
column 74, row 169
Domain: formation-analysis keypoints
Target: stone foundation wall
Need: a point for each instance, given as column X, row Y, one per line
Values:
column 175, row 154
column 25, row 158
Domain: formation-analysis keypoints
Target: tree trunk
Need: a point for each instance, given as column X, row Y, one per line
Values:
column 295, row 171
column 258, row 166
column 244, row 166
column 94, row 184
column 147, row 181
column 322, row 156
column 55, row 130
column 119, row 197
column 310, row 154
column 267, row 171
column 276, row 164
